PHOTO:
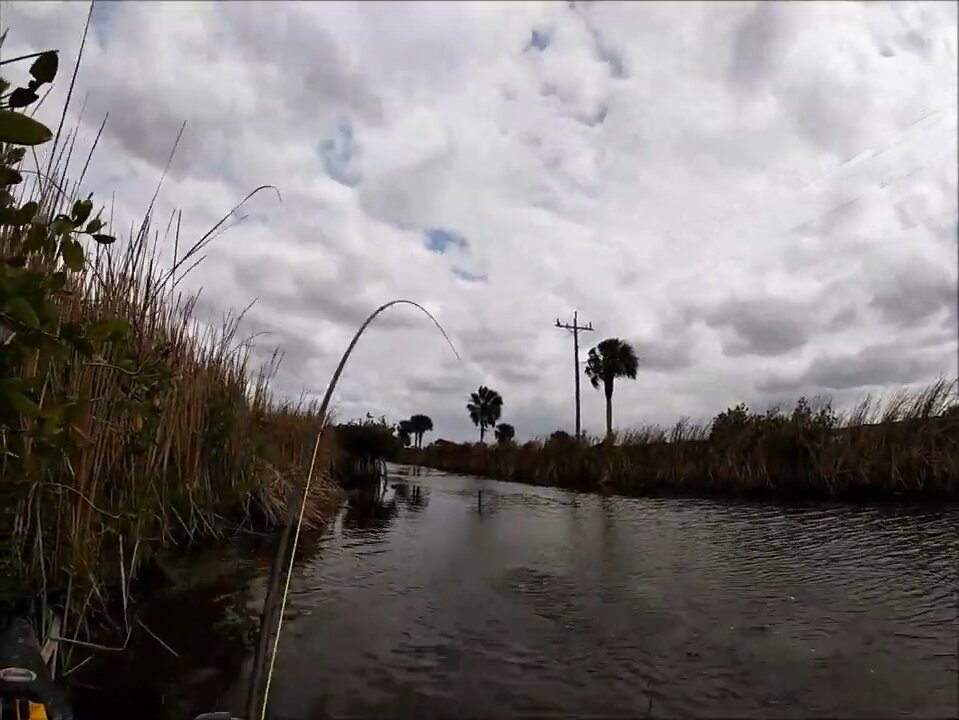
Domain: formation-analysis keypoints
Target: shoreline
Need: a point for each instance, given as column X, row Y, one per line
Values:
column 797, row 502
column 912, row 461
column 130, row 425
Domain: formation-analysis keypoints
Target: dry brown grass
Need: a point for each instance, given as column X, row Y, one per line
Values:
column 172, row 435
column 905, row 447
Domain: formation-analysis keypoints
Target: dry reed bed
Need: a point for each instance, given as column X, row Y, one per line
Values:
column 171, row 435
column 905, row 448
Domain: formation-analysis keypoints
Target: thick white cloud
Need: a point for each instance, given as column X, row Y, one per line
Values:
column 761, row 196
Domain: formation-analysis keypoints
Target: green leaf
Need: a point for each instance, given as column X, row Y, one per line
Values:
column 112, row 329
column 21, row 97
column 21, row 216
column 20, row 129
column 73, row 410
column 83, row 346
column 27, row 212
column 52, row 347
column 72, row 333
column 57, row 281
column 21, row 311
column 94, row 225
column 11, row 384
column 52, row 427
column 9, row 176
column 81, row 211
column 104, row 239
column 22, row 404
column 62, row 225
column 53, row 412
column 44, row 68
column 37, row 237
column 72, row 253
column 15, row 155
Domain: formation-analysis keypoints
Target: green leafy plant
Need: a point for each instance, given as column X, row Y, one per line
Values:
column 42, row 256
column 362, row 447
column 124, row 427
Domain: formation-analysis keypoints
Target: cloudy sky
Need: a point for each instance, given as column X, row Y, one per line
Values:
column 760, row 196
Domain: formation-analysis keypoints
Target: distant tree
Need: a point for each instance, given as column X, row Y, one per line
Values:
column 560, row 438
column 612, row 358
column 730, row 421
column 485, row 407
column 420, row 424
column 404, row 431
column 505, row 433
column 362, row 446
column 820, row 416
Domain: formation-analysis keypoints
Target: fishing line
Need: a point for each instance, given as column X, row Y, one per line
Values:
column 899, row 138
column 770, row 220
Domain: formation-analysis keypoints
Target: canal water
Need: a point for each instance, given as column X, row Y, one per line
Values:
column 465, row 597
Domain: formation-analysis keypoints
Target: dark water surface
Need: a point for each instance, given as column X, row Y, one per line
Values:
column 548, row 603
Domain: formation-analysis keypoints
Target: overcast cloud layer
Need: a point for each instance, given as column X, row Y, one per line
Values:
column 762, row 197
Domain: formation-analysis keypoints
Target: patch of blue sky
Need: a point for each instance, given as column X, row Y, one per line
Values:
column 538, row 40
column 338, row 154
column 440, row 240
column 101, row 20
column 468, row 276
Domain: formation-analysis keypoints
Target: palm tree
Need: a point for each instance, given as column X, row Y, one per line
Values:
column 611, row 359
column 505, row 433
column 485, row 407
column 420, row 424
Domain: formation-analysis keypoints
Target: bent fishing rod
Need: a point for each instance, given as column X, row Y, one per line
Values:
column 272, row 616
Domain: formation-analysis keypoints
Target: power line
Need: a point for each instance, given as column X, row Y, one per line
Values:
column 576, row 328
column 750, row 211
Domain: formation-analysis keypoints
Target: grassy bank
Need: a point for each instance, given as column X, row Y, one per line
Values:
column 906, row 448
column 125, row 424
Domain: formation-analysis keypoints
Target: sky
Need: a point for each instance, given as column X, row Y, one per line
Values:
column 761, row 197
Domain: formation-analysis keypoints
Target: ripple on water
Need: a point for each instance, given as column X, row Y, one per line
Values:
column 546, row 602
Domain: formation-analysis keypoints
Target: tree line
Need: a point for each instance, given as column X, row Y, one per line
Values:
column 608, row 361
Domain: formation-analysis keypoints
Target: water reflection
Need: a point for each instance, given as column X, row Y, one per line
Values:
column 413, row 496
column 541, row 602
column 422, row 601
column 205, row 619
column 371, row 507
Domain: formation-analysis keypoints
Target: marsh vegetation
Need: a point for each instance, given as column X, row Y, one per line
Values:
column 125, row 424
column 903, row 447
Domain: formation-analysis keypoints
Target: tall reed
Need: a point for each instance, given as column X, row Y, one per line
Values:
column 125, row 424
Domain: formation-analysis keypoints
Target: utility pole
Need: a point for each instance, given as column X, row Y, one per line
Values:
column 576, row 328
